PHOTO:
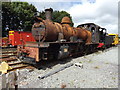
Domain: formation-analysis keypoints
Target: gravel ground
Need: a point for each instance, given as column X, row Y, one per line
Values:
column 100, row 70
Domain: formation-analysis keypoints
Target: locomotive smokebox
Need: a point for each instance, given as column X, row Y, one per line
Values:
column 48, row 13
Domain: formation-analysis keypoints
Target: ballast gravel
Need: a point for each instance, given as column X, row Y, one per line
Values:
column 99, row 70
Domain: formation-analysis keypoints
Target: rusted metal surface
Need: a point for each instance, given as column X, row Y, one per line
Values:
column 49, row 31
column 35, row 44
column 32, row 52
column 48, row 13
column 85, row 35
column 66, row 20
column 39, row 31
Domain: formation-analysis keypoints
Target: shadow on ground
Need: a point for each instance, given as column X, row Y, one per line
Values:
column 50, row 63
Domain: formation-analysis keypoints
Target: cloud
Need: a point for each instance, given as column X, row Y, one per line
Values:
column 55, row 5
column 101, row 12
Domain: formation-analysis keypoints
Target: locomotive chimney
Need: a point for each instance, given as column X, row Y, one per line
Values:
column 48, row 13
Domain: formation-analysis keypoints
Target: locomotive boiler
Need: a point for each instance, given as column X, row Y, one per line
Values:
column 49, row 31
column 55, row 40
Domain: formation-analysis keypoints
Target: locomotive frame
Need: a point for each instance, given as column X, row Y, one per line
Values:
column 35, row 52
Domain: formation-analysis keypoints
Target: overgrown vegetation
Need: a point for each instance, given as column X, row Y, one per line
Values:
column 20, row 16
column 17, row 16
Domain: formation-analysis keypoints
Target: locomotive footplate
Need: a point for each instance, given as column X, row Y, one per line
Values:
column 35, row 52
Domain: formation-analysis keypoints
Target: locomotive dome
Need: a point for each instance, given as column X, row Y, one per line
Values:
column 66, row 20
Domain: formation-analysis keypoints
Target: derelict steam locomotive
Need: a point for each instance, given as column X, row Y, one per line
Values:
column 60, row 40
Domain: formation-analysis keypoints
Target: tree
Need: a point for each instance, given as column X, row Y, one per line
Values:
column 17, row 16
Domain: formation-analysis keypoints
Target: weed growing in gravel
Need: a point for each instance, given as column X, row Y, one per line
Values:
column 106, row 63
column 113, row 78
column 72, row 83
column 80, row 62
column 96, row 67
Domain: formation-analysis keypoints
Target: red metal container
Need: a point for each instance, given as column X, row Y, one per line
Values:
column 20, row 37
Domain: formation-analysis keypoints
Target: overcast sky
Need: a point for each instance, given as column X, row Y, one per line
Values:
column 101, row 12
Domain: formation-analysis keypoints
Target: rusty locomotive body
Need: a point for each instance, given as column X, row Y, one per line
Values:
column 49, row 31
column 56, row 40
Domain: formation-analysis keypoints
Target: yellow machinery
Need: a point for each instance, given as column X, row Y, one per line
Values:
column 115, row 39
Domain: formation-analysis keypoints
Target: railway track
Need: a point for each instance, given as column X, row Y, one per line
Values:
column 9, row 55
